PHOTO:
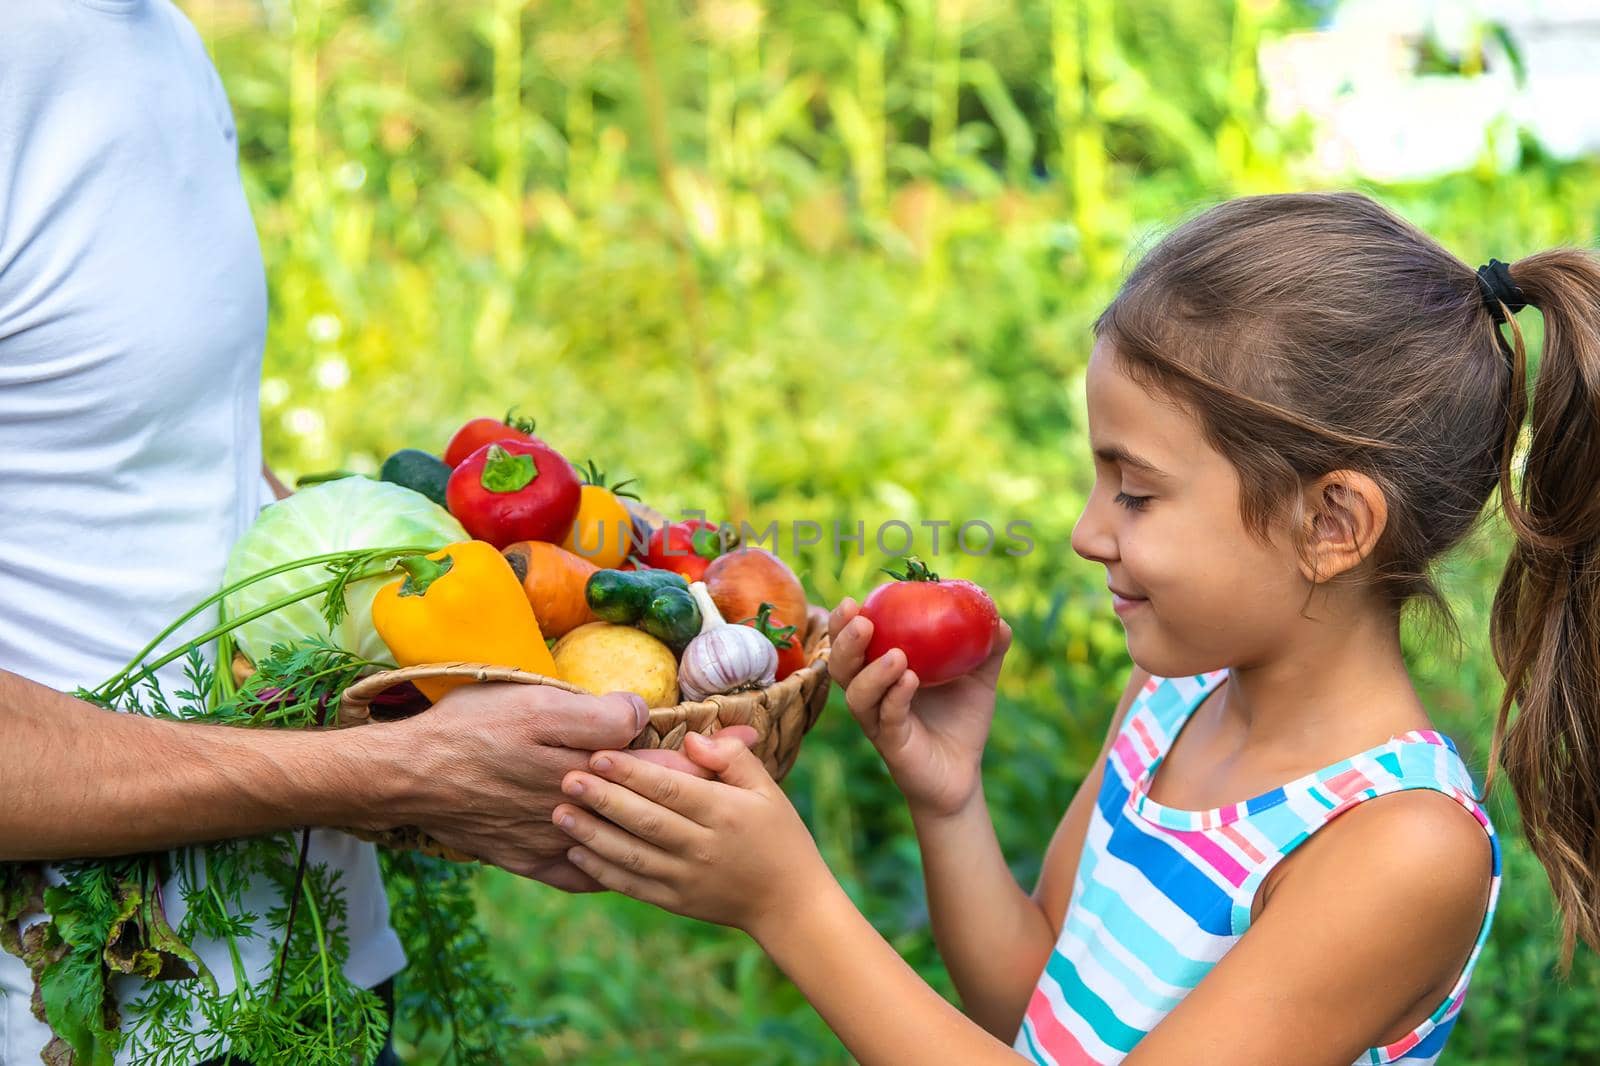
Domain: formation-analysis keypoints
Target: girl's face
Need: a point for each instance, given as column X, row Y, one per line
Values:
column 1163, row 519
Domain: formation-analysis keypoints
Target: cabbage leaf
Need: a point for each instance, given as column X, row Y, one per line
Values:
column 350, row 513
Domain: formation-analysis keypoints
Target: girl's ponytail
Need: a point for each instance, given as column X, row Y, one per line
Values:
column 1545, row 625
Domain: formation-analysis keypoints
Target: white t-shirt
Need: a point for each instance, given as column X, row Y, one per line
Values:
column 132, row 320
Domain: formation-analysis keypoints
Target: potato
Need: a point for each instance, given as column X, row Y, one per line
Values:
column 603, row 657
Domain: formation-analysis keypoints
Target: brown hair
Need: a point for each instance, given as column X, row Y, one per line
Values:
column 1317, row 332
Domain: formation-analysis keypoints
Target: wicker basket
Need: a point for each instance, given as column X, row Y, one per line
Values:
column 780, row 714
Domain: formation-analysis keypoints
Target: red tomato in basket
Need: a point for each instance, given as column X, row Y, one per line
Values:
column 685, row 548
column 480, row 431
column 791, row 658
column 945, row 627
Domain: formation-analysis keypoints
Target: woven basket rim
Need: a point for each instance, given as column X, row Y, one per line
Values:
column 360, row 695
column 806, row 690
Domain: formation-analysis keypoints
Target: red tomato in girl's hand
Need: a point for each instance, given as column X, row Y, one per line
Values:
column 480, row 431
column 946, row 628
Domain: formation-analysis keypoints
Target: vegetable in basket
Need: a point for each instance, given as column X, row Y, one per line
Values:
column 553, row 580
column 786, row 639
column 724, row 658
column 657, row 601
column 515, row 490
column 602, row 532
column 742, row 580
column 418, row 471
column 621, row 596
column 480, row 431
column 461, row 603
column 604, row 657
column 685, row 548
column 350, row 513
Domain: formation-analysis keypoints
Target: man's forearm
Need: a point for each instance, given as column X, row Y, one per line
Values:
column 993, row 937
column 79, row 781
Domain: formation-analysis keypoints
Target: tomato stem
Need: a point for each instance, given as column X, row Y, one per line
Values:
column 521, row 425
column 916, row 570
column 781, row 636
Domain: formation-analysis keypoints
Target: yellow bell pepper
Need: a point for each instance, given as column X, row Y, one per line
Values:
column 462, row 603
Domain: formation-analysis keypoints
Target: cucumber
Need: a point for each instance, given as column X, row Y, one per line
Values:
column 418, row 471
column 657, row 601
column 672, row 617
column 661, row 578
column 617, row 595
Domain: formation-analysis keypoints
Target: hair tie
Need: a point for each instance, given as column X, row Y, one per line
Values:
column 1497, row 287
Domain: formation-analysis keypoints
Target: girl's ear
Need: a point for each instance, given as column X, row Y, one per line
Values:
column 1345, row 514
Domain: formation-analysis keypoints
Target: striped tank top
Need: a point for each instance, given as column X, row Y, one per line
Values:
column 1162, row 894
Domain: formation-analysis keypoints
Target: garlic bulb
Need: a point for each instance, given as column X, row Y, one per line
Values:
column 724, row 658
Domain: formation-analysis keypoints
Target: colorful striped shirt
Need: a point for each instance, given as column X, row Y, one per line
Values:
column 1161, row 894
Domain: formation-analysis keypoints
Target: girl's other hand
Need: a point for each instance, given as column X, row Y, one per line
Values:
column 731, row 850
column 931, row 741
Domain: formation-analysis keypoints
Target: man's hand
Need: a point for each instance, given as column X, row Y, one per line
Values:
column 483, row 768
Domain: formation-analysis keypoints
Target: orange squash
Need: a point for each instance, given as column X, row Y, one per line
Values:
column 553, row 580
column 603, row 528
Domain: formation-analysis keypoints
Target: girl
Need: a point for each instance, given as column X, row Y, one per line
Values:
column 1295, row 404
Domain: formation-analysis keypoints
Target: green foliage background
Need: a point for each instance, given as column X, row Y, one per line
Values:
column 831, row 260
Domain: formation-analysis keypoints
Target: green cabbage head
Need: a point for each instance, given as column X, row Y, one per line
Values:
column 349, row 513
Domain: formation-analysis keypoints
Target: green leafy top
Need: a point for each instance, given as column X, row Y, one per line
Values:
column 592, row 475
column 781, row 636
column 521, row 425
column 108, row 918
column 915, row 570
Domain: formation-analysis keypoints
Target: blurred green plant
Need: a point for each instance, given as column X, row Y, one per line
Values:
column 830, row 261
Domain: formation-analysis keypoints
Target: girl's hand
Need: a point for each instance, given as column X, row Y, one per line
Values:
column 732, row 850
column 932, row 741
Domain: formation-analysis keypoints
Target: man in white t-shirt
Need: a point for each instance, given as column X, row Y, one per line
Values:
column 132, row 319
